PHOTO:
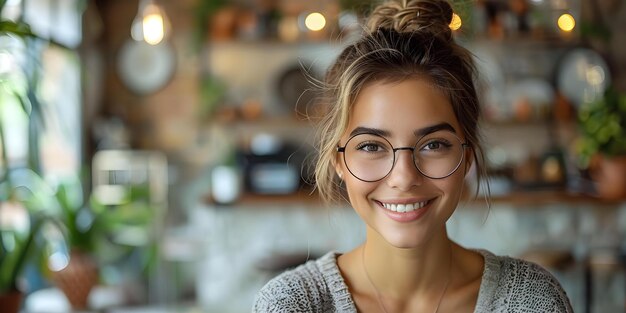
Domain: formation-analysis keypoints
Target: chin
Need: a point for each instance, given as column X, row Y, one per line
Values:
column 407, row 239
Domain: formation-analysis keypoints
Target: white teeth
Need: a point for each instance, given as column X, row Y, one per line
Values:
column 408, row 207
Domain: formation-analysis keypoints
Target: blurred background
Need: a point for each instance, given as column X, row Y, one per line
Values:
column 156, row 155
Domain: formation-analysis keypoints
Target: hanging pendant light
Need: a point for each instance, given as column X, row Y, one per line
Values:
column 151, row 24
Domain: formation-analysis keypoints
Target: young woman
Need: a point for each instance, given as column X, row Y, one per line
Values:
column 399, row 139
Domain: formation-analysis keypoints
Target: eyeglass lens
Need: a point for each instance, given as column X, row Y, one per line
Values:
column 371, row 157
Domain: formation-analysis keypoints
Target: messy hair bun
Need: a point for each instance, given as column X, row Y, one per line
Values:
column 425, row 16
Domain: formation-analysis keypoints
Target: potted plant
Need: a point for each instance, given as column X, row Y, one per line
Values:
column 50, row 228
column 23, row 218
column 76, row 273
column 17, row 241
column 14, row 258
column 96, row 235
column 602, row 143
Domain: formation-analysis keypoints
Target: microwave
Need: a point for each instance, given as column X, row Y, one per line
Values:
column 277, row 173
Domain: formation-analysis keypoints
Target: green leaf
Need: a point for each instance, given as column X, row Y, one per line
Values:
column 22, row 253
column 23, row 102
column 63, row 199
column 3, row 250
column 5, row 161
column 16, row 28
column 2, row 4
column 204, row 11
column 595, row 30
column 36, row 113
column 603, row 126
column 9, row 264
column 622, row 104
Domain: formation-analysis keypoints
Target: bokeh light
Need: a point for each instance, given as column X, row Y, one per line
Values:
column 315, row 21
column 456, row 22
column 153, row 26
column 566, row 22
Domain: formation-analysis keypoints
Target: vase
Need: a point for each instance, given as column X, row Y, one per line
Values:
column 609, row 176
column 10, row 302
column 77, row 279
column 225, row 184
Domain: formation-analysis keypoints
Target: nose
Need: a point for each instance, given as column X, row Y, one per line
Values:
column 404, row 174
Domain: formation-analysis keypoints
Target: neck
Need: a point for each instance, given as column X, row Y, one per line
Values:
column 404, row 273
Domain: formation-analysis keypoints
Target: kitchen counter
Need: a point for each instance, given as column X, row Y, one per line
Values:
column 244, row 236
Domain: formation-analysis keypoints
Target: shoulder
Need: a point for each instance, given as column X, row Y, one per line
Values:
column 520, row 286
column 303, row 289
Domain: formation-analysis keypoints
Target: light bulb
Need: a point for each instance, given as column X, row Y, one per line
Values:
column 456, row 22
column 150, row 24
column 315, row 21
column 153, row 25
column 566, row 22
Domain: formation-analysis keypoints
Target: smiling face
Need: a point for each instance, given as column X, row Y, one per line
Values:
column 403, row 113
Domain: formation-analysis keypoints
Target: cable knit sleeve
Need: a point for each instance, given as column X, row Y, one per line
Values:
column 302, row 289
column 535, row 289
column 284, row 293
column 513, row 285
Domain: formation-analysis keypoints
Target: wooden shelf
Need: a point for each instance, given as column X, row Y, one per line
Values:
column 546, row 197
column 305, row 197
column 519, row 198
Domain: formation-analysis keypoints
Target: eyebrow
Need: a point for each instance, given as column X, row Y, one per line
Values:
column 431, row 129
column 368, row 130
column 418, row 133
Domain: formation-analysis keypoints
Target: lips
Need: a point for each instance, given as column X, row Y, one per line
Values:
column 407, row 211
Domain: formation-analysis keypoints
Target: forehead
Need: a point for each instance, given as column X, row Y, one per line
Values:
column 401, row 107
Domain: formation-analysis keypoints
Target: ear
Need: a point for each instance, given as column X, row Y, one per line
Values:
column 339, row 170
column 338, row 167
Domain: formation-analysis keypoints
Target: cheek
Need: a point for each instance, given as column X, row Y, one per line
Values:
column 453, row 186
column 357, row 190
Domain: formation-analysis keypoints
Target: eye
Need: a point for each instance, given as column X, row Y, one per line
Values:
column 370, row 147
column 433, row 145
column 436, row 145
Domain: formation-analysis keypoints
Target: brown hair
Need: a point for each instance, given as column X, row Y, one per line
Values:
column 404, row 39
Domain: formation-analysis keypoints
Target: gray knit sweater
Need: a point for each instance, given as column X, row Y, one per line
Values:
column 508, row 285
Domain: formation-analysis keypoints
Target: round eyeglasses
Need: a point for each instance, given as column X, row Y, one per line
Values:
column 370, row 157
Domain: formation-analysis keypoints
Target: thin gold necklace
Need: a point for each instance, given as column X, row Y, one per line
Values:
column 378, row 297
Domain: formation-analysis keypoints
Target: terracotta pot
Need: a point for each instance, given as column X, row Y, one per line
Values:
column 609, row 175
column 77, row 279
column 10, row 302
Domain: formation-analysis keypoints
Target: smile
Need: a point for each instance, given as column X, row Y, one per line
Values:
column 404, row 207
